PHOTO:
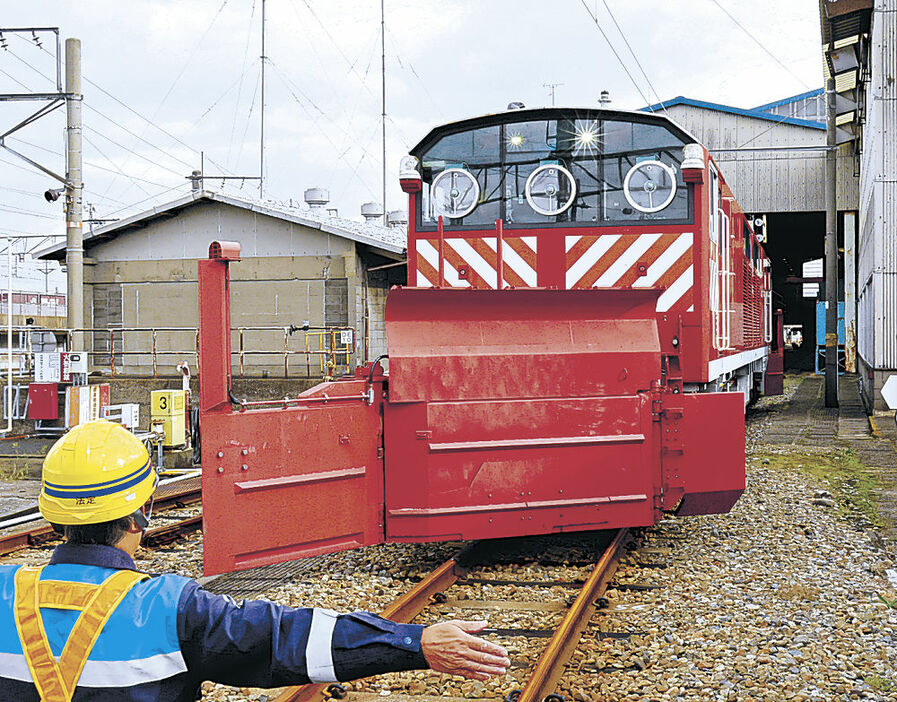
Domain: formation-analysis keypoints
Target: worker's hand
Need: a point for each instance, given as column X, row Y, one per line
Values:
column 450, row 648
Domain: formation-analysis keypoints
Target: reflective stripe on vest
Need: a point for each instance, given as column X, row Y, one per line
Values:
column 56, row 682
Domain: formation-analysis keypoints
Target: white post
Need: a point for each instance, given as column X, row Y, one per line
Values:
column 850, row 292
column 9, row 411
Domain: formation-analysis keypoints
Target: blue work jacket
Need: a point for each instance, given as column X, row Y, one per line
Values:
column 168, row 635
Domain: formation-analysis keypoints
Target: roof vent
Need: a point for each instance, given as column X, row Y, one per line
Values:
column 604, row 99
column 396, row 218
column 371, row 211
column 516, row 106
column 316, row 198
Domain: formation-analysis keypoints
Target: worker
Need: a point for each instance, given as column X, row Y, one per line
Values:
column 90, row 626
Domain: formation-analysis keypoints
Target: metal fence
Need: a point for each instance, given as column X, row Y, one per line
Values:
column 257, row 350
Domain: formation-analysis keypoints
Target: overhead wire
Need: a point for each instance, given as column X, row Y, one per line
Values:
column 354, row 138
column 614, row 51
column 112, row 97
column 196, row 46
column 111, row 162
column 99, row 112
column 233, row 130
column 414, row 72
column 86, row 163
column 152, row 197
column 255, row 93
column 760, row 44
column 340, row 155
column 634, row 56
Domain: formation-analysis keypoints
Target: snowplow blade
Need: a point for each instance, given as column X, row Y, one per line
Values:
column 520, row 411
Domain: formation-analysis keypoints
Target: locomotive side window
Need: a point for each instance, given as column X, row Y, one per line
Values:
column 573, row 169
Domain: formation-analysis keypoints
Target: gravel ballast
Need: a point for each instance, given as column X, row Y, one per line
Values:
column 788, row 597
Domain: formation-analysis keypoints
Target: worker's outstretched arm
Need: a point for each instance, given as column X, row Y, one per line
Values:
column 261, row 644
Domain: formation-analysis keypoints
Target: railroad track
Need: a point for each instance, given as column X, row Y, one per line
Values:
column 440, row 594
column 27, row 529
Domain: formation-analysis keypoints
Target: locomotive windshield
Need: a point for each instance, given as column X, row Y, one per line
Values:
column 570, row 168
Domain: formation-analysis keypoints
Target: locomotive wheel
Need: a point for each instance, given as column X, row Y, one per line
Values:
column 513, row 695
column 554, row 697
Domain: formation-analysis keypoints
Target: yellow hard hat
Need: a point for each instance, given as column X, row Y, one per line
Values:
column 97, row 472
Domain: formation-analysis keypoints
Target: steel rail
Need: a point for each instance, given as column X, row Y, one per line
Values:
column 403, row 609
column 560, row 648
column 161, row 535
column 43, row 531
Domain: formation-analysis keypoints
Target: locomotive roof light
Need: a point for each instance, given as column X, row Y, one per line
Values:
column 408, row 167
column 650, row 186
column 550, row 189
column 409, row 175
column 693, row 156
column 454, row 193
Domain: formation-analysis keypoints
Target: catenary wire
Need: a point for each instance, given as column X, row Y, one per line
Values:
column 614, row 51
column 233, row 130
column 760, row 44
column 637, row 62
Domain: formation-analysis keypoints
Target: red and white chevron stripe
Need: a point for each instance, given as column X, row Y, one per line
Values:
column 613, row 260
column 473, row 262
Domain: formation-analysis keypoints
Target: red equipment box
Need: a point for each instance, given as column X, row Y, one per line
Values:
column 43, row 401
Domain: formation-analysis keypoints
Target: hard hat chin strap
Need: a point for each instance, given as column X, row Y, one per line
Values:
column 141, row 519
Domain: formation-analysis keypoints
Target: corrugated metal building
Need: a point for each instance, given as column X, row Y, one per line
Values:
column 877, row 250
column 772, row 158
column 749, row 144
column 298, row 265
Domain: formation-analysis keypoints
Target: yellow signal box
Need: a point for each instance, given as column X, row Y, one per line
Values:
column 167, row 410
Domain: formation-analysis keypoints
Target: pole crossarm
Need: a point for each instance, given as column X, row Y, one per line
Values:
column 29, row 161
column 11, row 97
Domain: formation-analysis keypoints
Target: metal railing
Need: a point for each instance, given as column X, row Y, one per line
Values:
column 324, row 351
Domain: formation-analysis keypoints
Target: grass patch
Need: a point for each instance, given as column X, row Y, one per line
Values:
column 853, row 488
column 880, row 684
column 12, row 471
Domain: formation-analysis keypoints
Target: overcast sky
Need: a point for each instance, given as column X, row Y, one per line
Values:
column 182, row 76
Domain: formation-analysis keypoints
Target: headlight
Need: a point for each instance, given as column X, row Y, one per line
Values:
column 649, row 186
column 550, row 189
column 454, row 193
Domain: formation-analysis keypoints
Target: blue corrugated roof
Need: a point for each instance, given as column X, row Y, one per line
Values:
column 788, row 100
column 757, row 114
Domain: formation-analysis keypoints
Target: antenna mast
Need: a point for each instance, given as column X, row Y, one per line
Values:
column 262, row 138
column 383, row 95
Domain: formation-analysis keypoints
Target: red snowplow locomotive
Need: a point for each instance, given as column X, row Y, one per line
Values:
column 590, row 311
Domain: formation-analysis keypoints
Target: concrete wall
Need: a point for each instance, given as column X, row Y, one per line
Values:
column 769, row 181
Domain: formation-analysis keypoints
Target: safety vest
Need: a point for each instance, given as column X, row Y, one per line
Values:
column 68, row 625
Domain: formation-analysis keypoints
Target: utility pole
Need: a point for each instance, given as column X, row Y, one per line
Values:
column 831, row 250
column 262, row 138
column 383, row 96
column 74, row 244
